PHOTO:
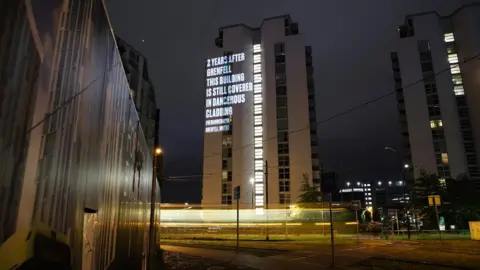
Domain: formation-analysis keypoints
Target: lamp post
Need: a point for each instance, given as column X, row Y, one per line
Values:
column 157, row 152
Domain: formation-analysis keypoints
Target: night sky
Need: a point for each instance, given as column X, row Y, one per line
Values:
column 351, row 52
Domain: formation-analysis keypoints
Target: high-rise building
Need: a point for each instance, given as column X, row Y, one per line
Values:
column 141, row 88
column 260, row 116
column 437, row 62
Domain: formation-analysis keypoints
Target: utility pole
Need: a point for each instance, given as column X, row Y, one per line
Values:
column 332, row 238
column 266, row 198
column 151, row 238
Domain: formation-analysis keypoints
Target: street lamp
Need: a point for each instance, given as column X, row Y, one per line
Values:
column 156, row 153
column 358, row 183
column 348, row 184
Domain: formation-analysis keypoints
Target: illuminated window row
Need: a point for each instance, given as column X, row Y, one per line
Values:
column 258, row 129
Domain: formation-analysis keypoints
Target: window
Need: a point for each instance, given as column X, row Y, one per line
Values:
column 465, row 123
column 284, row 173
column 284, row 186
column 227, row 187
column 227, row 199
column 229, row 176
column 453, row 58
column 432, row 100
column 458, row 90
column 445, row 158
column 455, row 69
column 430, row 88
column 283, row 148
column 279, row 48
column 282, row 112
column 469, row 147
column 224, row 164
column 280, row 68
column 283, row 161
column 280, row 58
column 443, row 171
column 451, row 48
column 437, row 135
column 282, row 101
column 224, row 176
column 448, row 37
column 281, row 90
column 282, row 136
column 284, row 198
column 280, row 79
column 229, row 152
column 436, row 123
column 282, row 124
column 434, row 111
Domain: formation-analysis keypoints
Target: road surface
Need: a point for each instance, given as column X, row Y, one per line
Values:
column 399, row 255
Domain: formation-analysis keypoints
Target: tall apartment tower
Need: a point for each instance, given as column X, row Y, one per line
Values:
column 439, row 115
column 260, row 116
column 141, row 88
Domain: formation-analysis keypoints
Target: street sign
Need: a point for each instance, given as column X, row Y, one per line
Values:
column 356, row 205
column 236, row 193
column 442, row 224
column 431, row 201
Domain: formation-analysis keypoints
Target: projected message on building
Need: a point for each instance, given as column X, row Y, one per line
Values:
column 224, row 88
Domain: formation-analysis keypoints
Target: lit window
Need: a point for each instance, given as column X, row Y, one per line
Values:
column 257, row 99
column 442, row 182
column 436, row 123
column 458, row 90
column 257, row 68
column 257, row 78
column 257, row 88
column 258, row 163
column 457, row 79
column 445, row 158
column 449, row 37
column 257, row 109
column 453, row 58
column 455, row 69
column 257, row 58
column 258, row 131
column 257, row 119
column 257, row 48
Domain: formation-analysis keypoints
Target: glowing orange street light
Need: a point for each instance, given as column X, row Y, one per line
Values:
column 158, row 151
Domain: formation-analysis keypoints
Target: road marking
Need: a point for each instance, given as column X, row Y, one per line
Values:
column 296, row 259
column 349, row 249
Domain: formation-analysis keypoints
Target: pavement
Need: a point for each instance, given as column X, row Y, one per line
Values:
column 386, row 255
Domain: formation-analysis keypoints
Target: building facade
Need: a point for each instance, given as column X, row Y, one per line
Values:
column 436, row 71
column 260, row 128
column 141, row 88
column 73, row 155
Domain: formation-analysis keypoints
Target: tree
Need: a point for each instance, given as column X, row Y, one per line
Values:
column 309, row 194
column 310, row 197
